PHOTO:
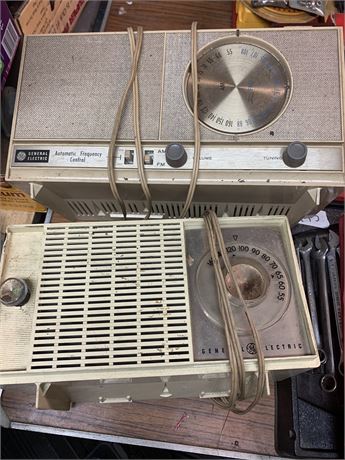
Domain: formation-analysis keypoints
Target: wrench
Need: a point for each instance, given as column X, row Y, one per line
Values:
column 298, row 245
column 305, row 251
column 333, row 243
column 328, row 381
column 298, row 253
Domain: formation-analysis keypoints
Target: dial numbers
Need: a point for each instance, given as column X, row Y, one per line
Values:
column 262, row 279
column 242, row 87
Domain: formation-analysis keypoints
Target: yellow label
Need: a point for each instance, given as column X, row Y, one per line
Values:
column 13, row 199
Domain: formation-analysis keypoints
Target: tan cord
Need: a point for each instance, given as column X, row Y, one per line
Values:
column 196, row 161
column 260, row 355
column 117, row 122
column 137, row 137
column 226, row 315
column 237, row 382
column 133, row 81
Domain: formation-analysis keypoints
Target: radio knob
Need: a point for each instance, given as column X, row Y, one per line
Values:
column 14, row 292
column 295, row 154
column 175, row 155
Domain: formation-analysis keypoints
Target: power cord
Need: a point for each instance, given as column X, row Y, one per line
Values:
column 117, row 122
column 137, row 137
column 237, row 371
column 196, row 160
column 133, row 82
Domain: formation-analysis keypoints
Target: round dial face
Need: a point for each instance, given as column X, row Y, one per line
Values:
column 243, row 85
column 262, row 279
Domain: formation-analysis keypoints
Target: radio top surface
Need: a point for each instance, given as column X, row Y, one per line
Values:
column 255, row 86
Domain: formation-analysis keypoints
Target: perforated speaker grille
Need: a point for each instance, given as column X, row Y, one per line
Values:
column 314, row 113
column 72, row 84
column 112, row 296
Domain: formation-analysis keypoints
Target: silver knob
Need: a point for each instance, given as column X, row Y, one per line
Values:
column 14, row 292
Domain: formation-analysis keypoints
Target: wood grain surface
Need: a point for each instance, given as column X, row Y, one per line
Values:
column 170, row 15
column 183, row 421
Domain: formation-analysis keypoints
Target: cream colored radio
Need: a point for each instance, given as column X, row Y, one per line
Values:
column 123, row 311
column 270, row 110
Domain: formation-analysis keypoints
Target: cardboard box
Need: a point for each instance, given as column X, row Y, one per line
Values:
column 45, row 17
column 10, row 38
column 13, row 199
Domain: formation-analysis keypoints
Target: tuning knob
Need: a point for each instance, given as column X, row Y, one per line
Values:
column 175, row 155
column 14, row 292
column 295, row 154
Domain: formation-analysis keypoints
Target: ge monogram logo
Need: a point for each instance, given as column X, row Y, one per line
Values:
column 21, row 156
column 251, row 348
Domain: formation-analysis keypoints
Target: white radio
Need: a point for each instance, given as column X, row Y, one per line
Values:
column 122, row 311
column 270, row 108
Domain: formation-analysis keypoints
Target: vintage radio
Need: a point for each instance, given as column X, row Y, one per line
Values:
column 127, row 310
column 270, row 109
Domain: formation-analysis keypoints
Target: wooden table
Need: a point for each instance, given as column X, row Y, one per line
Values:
column 170, row 15
column 184, row 424
column 179, row 424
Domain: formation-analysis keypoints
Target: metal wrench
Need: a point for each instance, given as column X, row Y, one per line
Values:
column 305, row 251
column 328, row 381
column 333, row 243
column 298, row 245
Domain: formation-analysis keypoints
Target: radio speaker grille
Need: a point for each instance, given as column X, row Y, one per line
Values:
column 83, row 78
column 112, row 296
column 72, row 84
column 314, row 113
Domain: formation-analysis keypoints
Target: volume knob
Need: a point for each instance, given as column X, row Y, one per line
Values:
column 295, row 154
column 175, row 155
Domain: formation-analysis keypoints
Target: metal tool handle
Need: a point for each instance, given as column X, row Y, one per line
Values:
column 309, row 287
column 328, row 381
column 311, row 297
column 335, row 289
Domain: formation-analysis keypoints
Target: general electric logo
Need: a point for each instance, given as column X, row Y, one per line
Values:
column 251, row 349
column 31, row 156
column 21, row 156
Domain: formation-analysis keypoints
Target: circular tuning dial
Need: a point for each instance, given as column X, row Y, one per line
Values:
column 175, row 155
column 261, row 278
column 244, row 84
